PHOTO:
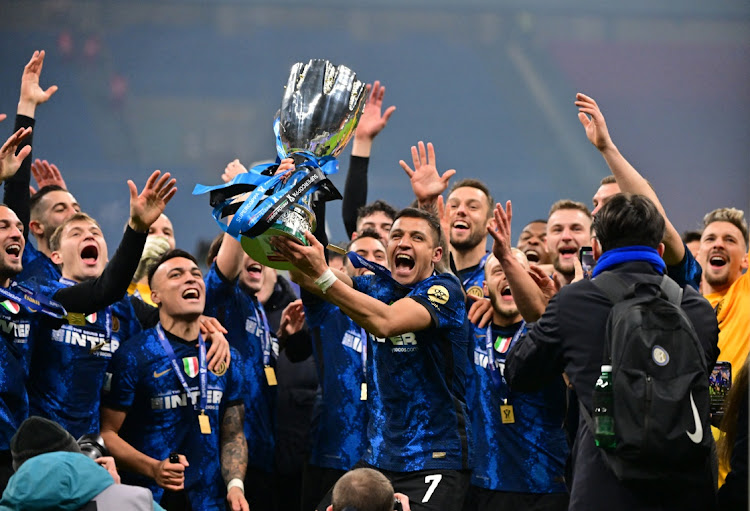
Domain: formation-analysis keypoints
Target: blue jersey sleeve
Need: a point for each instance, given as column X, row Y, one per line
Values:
column 364, row 283
column 316, row 309
column 443, row 298
column 124, row 378
column 687, row 272
column 219, row 289
column 234, row 390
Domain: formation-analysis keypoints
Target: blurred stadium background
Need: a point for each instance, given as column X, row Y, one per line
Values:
column 187, row 86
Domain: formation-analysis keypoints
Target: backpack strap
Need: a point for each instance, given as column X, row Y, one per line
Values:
column 671, row 290
column 613, row 286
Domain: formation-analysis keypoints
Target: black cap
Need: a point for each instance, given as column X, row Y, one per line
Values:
column 37, row 435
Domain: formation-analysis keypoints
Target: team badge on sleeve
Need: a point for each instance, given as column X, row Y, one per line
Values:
column 220, row 369
column 438, row 294
column 190, row 364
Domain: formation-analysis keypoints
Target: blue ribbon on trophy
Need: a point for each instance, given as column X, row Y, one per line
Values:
column 319, row 112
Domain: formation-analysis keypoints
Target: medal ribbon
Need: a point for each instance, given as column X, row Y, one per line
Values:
column 495, row 376
column 107, row 311
column 266, row 334
column 33, row 302
column 202, row 368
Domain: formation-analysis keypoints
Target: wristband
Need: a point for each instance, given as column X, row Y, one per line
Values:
column 238, row 483
column 326, row 280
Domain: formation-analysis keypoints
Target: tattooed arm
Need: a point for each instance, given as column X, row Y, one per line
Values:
column 234, row 454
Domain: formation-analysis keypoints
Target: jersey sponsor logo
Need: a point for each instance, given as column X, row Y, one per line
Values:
column 220, row 369
column 438, row 295
column 162, row 373
column 475, row 291
column 404, row 343
column 482, row 360
column 11, row 306
column 190, row 364
column 96, row 342
column 171, row 401
column 20, row 330
column 351, row 340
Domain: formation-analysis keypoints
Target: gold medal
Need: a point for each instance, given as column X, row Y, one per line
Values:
column 204, row 424
column 270, row 376
column 506, row 414
column 76, row 318
column 363, row 392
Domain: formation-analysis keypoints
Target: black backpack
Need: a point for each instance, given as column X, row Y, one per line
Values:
column 660, row 383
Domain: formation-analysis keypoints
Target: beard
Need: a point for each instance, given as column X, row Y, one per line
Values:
column 566, row 272
column 474, row 239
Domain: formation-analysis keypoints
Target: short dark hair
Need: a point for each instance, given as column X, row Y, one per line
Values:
column 375, row 207
column 367, row 233
column 213, row 249
column 38, row 196
column 690, row 236
column 431, row 220
column 362, row 489
column 609, row 180
column 475, row 183
column 54, row 240
column 627, row 220
column 166, row 257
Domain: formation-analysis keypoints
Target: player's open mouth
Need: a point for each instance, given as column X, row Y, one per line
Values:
column 506, row 294
column 255, row 270
column 460, row 225
column 403, row 263
column 568, row 252
column 532, row 256
column 191, row 294
column 13, row 250
column 90, row 254
column 717, row 261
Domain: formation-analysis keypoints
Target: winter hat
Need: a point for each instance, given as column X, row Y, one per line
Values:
column 37, row 435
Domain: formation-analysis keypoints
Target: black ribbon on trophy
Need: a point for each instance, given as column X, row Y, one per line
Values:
column 319, row 112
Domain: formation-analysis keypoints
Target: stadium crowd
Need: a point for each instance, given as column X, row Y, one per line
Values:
column 442, row 377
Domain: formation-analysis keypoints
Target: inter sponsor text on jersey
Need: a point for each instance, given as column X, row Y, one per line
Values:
column 15, row 324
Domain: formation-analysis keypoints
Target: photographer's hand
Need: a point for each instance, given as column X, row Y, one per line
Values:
column 108, row 462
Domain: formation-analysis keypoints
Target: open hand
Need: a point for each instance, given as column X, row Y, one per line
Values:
column 426, row 182
column 9, row 161
column 146, row 207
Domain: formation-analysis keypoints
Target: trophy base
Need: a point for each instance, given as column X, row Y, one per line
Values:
column 293, row 224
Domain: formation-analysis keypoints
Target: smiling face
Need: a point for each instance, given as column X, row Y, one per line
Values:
column 468, row 214
column 82, row 251
column 412, row 253
column 533, row 243
column 369, row 248
column 177, row 288
column 722, row 254
column 567, row 231
column 503, row 304
column 11, row 244
column 251, row 274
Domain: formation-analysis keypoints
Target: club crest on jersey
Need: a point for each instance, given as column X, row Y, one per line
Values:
column 190, row 364
column 475, row 291
column 11, row 306
column 438, row 295
column 220, row 368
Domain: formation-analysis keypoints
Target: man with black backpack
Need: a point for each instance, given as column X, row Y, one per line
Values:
column 647, row 343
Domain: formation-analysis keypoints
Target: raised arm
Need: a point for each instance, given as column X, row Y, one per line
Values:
column 32, row 95
column 112, row 284
column 405, row 315
column 529, row 298
column 234, row 455
column 628, row 178
column 371, row 123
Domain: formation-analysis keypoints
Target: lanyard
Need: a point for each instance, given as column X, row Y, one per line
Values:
column 266, row 333
column 476, row 272
column 32, row 301
column 495, row 376
column 107, row 311
column 363, row 336
column 202, row 367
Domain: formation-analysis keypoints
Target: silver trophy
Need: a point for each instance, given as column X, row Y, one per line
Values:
column 319, row 112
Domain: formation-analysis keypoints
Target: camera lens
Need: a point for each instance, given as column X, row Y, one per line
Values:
column 92, row 446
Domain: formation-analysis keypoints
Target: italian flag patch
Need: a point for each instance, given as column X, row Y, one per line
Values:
column 91, row 318
column 191, row 366
column 11, row 306
column 502, row 344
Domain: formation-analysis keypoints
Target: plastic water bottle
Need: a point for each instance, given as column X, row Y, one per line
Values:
column 604, row 419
